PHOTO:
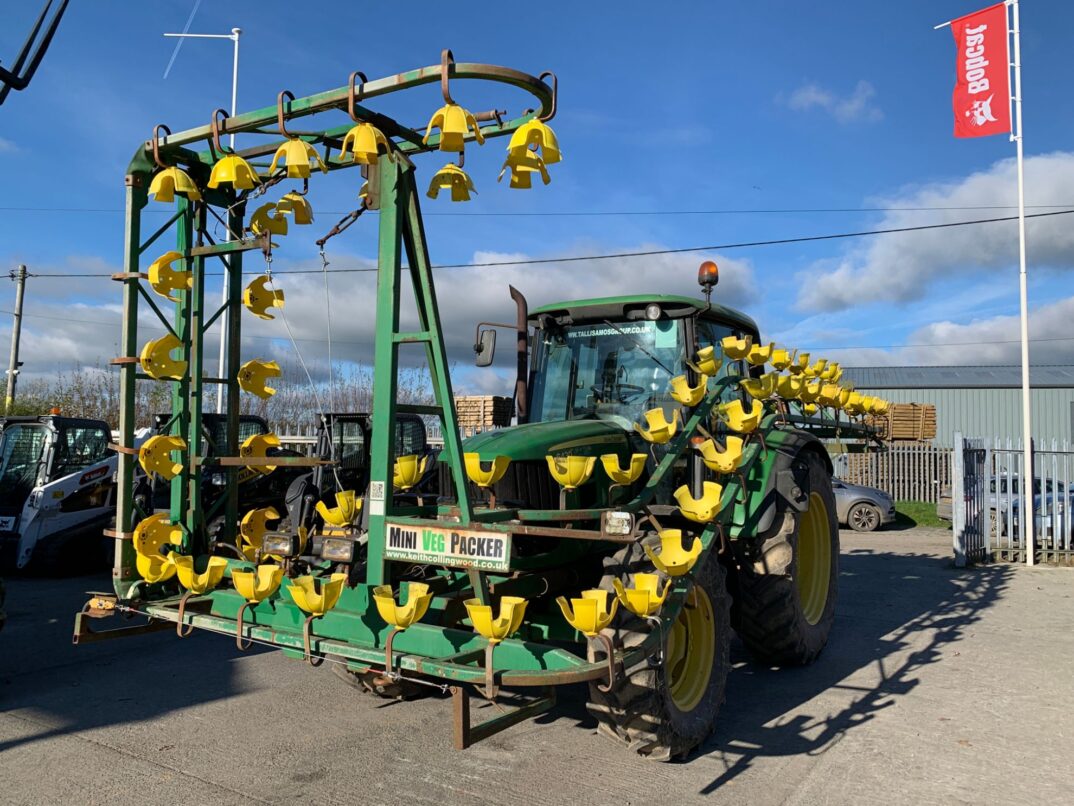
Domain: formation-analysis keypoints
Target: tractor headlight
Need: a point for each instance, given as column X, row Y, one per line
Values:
column 218, row 479
column 652, row 311
column 337, row 549
column 279, row 544
column 619, row 524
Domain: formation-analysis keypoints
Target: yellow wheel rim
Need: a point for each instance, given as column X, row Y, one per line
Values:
column 691, row 651
column 814, row 558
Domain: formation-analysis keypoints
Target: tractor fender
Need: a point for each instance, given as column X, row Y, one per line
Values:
column 777, row 476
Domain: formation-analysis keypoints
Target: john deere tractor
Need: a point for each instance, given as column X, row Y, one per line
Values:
column 659, row 488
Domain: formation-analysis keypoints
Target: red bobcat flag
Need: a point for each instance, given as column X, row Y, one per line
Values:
column 982, row 98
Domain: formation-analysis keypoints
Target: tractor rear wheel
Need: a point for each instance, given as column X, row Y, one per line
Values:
column 375, row 683
column 788, row 581
column 665, row 708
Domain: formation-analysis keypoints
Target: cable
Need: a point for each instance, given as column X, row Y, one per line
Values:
column 651, row 252
column 328, row 324
column 150, row 326
column 313, row 387
column 598, row 213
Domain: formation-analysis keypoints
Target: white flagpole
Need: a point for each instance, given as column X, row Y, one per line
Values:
column 234, row 37
column 1027, row 433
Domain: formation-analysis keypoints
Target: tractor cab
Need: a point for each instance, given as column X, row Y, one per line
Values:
column 345, row 440
column 613, row 359
column 594, row 369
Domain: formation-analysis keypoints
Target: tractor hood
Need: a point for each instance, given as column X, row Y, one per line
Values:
column 534, row 441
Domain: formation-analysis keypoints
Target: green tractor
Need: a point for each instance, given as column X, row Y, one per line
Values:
column 657, row 491
column 595, row 369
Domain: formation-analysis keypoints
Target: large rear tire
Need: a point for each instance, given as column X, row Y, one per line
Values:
column 788, row 581
column 663, row 710
column 375, row 683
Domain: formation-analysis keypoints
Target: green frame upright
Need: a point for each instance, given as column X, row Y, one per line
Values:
column 401, row 231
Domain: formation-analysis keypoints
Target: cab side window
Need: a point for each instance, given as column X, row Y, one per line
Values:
column 77, row 448
column 713, row 333
column 409, row 437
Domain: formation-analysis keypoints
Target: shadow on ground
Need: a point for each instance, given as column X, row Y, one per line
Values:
column 898, row 612
column 67, row 688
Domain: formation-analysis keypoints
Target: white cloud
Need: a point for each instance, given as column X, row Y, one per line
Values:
column 60, row 333
column 901, row 267
column 857, row 106
column 990, row 340
column 7, row 146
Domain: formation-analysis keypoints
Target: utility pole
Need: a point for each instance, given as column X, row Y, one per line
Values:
column 13, row 363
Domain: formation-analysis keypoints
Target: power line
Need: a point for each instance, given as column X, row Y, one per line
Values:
column 152, row 326
column 599, row 213
column 646, row 253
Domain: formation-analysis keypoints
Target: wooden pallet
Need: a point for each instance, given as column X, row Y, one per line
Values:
column 484, row 411
column 914, row 421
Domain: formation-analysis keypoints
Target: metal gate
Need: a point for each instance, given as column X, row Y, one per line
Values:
column 990, row 501
column 1049, row 498
column 969, row 506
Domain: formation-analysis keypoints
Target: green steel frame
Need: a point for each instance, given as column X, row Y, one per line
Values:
column 545, row 653
column 400, row 229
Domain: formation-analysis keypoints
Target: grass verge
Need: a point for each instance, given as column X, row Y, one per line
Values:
column 918, row 513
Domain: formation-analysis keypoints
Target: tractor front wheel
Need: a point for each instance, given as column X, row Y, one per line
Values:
column 664, row 707
column 788, row 580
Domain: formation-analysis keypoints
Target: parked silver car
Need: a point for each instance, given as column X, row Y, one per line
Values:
column 863, row 509
column 1051, row 518
column 1003, row 498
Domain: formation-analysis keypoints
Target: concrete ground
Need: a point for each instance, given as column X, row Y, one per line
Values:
column 939, row 685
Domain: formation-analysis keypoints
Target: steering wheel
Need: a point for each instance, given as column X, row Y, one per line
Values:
column 626, row 392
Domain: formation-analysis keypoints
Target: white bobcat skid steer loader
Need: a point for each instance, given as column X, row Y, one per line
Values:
column 57, row 489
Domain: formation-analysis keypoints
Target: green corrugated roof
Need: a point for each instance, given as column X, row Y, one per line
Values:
column 981, row 377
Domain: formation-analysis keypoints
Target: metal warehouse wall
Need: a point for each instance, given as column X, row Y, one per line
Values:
column 991, row 412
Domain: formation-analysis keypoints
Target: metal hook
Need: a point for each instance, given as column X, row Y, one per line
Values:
column 279, row 112
column 355, row 95
column 389, row 660
column 610, row 652
column 156, row 148
column 180, row 629
column 305, row 188
column 307, row 643
column 446, row 60
column 491, row 689
column 555, row 94
column 240, row 644
column 217, row 128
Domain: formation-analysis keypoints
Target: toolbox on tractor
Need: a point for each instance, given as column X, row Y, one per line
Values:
column 658, row 485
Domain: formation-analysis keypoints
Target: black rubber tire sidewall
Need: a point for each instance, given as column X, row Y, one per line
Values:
column 769, row 616
column 639, row 710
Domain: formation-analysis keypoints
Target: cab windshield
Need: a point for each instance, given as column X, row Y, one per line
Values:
column 606, row 370
column 21, row 449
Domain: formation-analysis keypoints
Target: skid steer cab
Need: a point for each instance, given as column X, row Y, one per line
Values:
column 57, row 490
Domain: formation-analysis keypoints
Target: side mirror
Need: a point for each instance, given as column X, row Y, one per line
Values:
column 485, row 347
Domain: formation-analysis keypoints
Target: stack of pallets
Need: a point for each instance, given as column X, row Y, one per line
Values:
column 478, row 412
column 915, row 421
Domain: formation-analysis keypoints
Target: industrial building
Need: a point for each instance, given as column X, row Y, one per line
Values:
column 979, row 401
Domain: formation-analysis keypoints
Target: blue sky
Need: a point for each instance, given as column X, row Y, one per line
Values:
column 685, row 107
